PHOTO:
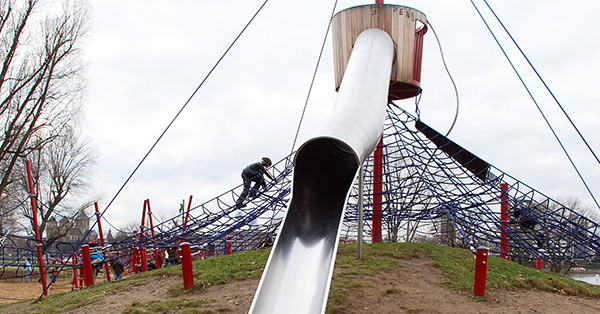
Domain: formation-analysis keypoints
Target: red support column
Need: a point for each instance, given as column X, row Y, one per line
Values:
column 480, row 272
column 187, row 214
column 143, row 219
column 134, row 256
column 377, row 192
column 88, row 275
column 228, row 246
column 504, row 220
column 185, row 220
column 106, row 268
column 539, row 264
column 142, row 251
column 156, row 254
column 81, row 283
column 36, row 229
column 186, row 266
column 74, row 283
column 144, row 260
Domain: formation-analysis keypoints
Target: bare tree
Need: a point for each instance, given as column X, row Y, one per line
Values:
column 40, row 98
column 9, row 212
column 59, row 171
column 40, row 83
column 127, row 231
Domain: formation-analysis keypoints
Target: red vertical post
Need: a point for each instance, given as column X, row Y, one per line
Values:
column 106, row 268
column 481, row 261
column 377, row 192
column 143, row 219
column 504, row 220
column 185, row 220
column 134, row 256
column 74, row 283
column 378, row 1
column 36, row 229
column 81, row 283
column 144, row 260
column 142, row 251
column 539, row 264
column 187, row 213
column 88, row 275
column 156, row 257
column 186, row 266
column 228, row 246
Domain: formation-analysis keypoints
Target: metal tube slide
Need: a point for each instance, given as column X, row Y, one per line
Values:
column 298, row 273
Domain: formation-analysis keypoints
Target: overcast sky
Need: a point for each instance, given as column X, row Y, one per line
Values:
column 147, row 57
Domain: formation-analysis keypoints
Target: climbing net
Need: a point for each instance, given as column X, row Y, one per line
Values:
column 433, row 190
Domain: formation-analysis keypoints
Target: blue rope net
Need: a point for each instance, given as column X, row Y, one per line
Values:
column 433, row 191
column 436, row 191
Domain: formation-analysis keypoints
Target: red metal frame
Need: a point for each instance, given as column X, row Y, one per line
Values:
column 36, row 229
column 228, row 246
column 187, row 214
column 504, row 220
column 377, row 192
column 81, row 279
column 143, row 256
column 156, row 257
column 134, row 256
column 74, row 283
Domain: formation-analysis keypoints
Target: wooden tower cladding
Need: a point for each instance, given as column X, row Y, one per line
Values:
column 406, row 26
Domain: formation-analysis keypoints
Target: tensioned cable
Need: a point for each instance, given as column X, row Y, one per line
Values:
column 167, row 128
column 543, row 82
column 537, row 105
column 184, row 105
column 450, row 76
column 314, row 75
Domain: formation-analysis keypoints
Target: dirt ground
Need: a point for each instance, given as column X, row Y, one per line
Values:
column 414, row 287
column 11, row 292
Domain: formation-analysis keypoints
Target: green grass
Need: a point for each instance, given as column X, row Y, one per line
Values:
column 221, row 270
column 60, row 303
column 456, row 264
column 188, row 305
column 459, row 267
